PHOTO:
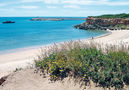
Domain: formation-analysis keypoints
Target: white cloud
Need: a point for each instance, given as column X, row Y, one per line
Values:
column 2, row 4
column 31, row 0
column 121, row 3
column 78, row 1
column 72, row 6
column 51, row 7
column 74, row 2
column 51, row 1
column 85, row 2
column 3, row 9
column 96, row 2
column 28, row 7
column 45, row 1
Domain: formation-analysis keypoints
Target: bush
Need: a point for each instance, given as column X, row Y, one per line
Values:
column 108, row 68
column 122, row 15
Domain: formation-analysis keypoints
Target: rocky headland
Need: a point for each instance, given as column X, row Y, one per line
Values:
column 105, row 22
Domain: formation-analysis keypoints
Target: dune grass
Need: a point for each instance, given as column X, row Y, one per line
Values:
column 107, row 66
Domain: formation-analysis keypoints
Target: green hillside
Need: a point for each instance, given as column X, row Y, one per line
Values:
column 123, row 15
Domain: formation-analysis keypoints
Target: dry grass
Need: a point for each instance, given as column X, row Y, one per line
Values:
column 107, row 66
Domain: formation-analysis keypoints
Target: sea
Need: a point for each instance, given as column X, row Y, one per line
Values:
column 25, row 33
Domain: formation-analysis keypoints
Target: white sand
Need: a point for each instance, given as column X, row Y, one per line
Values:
column 27, row 80
column 116, row 37
column 33, row 81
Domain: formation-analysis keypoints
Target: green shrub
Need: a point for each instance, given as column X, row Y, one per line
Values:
column 122, row 26
column 107, row 69
column 122, row 15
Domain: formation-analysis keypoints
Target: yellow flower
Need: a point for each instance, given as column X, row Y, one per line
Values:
column 99, row 70
column 83, row 77
column 61, row 70
column 84, row 74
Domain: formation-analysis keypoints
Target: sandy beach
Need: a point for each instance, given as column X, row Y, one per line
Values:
column 25, row 58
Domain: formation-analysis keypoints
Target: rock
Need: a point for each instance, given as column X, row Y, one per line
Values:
column 93, row 23
column 2, row 80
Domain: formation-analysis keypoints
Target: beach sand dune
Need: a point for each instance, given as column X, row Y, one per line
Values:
column 28, row 80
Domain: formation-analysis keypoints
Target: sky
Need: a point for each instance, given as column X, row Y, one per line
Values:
column 75, row 8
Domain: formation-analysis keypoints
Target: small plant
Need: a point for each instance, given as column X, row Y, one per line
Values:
column 122, row 26
column 105, row 67
column 17, row 69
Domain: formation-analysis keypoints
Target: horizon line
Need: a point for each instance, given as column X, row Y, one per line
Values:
column 43, row 16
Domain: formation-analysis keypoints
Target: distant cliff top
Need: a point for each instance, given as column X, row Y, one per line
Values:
column 123, row 15
column 104, row 22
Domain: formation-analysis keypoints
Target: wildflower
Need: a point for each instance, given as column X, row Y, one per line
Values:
column 99, row 70
column 83, row 77
column 61, row 70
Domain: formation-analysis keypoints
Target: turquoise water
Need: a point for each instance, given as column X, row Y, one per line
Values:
column 26, row 33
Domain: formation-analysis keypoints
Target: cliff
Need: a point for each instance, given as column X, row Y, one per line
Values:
column 97, row 23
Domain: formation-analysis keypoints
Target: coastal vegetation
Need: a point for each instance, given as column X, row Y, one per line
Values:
column 123, row 15
column 121, row 26
column 106, row 66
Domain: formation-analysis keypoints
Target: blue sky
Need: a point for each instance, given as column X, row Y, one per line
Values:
column 62, row 7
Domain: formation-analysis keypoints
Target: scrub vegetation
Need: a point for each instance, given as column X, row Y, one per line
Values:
column 106, row 66
column 123, row 15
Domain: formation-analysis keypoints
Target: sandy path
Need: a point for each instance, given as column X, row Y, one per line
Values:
column 23, row 58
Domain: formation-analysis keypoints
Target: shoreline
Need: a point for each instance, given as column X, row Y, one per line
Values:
column 42, row 45
column 24, row 57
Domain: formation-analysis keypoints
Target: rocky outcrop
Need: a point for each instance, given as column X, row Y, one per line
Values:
column 104, row 23
column 3, row 79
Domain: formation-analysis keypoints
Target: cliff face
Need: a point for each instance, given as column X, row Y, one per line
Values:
column 103, row 23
